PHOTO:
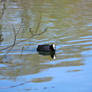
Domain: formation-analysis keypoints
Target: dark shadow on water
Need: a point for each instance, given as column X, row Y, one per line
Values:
column 51, row 53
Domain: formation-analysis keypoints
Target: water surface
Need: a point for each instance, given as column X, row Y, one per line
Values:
column 24, row 24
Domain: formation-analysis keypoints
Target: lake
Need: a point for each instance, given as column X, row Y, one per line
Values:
column 24, row 24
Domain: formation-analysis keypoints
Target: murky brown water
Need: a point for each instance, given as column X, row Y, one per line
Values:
column 26, row 23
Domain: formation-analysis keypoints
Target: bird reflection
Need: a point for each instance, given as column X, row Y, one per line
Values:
column 51, row 53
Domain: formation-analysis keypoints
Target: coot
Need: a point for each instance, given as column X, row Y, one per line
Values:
column 46, row 48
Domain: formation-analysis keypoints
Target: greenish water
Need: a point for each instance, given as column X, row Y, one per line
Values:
column 24, row 24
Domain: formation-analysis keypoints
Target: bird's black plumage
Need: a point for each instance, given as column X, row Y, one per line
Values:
column 46, row 48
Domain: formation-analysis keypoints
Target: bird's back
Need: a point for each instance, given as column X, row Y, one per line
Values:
column 43, row 48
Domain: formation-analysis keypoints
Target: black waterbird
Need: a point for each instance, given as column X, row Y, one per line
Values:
column 47, row 49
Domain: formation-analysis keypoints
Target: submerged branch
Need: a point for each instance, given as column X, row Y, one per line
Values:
column 33, row 35
column 14, row 42
column 38, row 25
column 3, row 10
column 11, row 46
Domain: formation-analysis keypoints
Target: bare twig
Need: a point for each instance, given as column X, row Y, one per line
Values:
column 3, row 10
column 4, row 7
column 38, row 25
column 33, row 36
column 30, row 30
column 15, row 35
column 22, row 50
column 10, row 47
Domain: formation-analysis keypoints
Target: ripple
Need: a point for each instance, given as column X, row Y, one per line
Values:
column 90, row 24
column 68, row 24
